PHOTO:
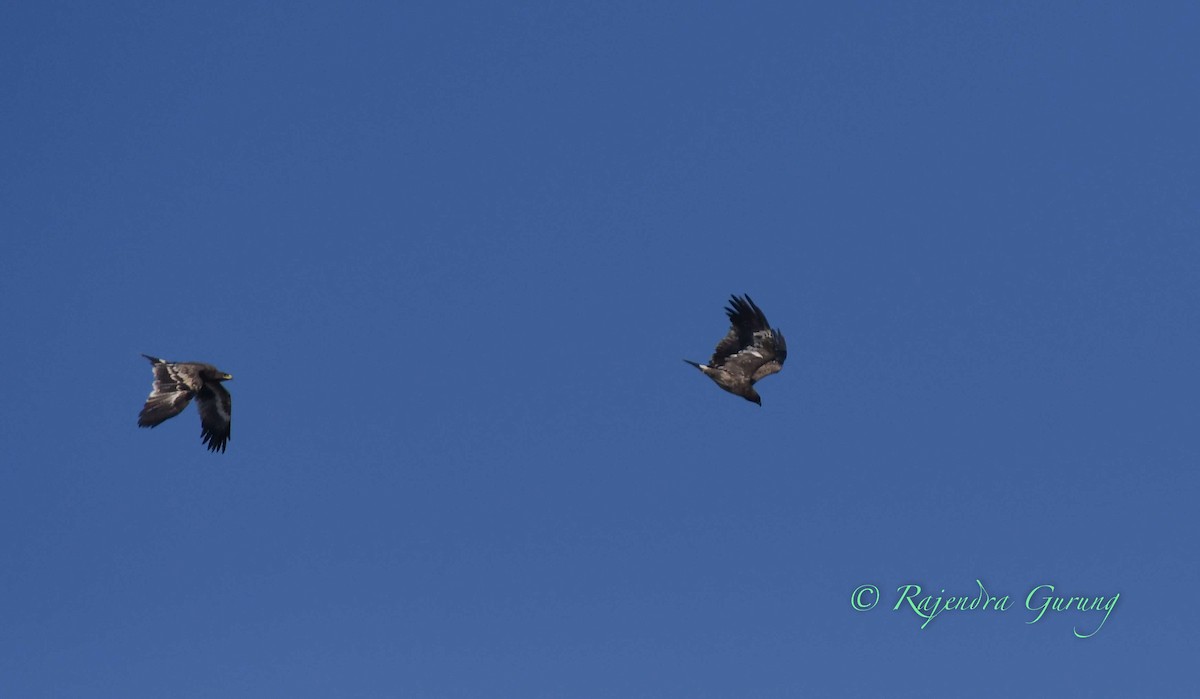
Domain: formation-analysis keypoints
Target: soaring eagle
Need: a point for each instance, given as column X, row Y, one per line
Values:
column 751, row 350
column 175, row 384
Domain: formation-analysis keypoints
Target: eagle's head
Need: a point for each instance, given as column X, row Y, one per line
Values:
column 214, row 374
column 753, row 397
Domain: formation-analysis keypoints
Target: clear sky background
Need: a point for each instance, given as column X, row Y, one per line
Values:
column 453, row 255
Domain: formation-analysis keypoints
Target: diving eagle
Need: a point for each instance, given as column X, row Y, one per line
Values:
column 751, row 350
column 175, row 384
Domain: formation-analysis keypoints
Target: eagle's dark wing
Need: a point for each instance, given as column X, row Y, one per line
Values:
column 763, row 357
column 174, row 387
column 745, row 319
column 752, row 349
column 216, row 408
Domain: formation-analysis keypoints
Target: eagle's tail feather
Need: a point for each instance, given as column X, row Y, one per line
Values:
column 693, row 364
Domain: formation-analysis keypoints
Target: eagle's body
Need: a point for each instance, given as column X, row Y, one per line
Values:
column 751, row 350
column 175, row 384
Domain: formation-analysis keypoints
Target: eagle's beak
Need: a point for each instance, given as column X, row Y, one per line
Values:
column 229, row 377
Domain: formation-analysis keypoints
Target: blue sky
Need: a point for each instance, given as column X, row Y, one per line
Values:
column 453, row 254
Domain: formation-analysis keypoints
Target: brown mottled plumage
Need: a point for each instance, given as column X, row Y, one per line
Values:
column 175, row 384
column 751, row 350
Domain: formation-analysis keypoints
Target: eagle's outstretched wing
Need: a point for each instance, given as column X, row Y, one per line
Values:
column 174, row 387
column 751, row 349
column 216, row 408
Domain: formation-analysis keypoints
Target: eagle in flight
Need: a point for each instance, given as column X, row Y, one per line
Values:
column 175, row 384
column 751, row 350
